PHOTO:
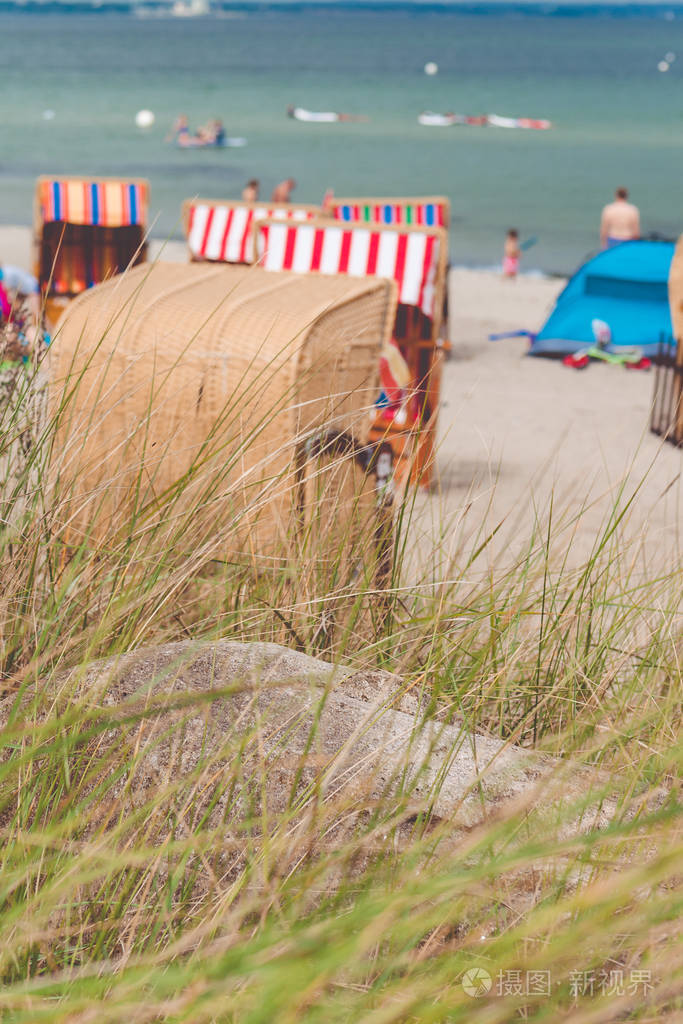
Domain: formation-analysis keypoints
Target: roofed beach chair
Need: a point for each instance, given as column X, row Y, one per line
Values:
column 222, row 230
column 226, row 399
column 412, row 211
column 85, row 231
column 415, row 258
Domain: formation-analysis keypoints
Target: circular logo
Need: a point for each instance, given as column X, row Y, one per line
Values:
column 476, row 982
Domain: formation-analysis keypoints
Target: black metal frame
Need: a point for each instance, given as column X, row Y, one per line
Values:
column 666, row 417
column 374, row 459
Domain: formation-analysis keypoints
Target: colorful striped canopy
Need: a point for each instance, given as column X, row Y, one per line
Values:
column 413, row 258
column 418, row 212
column 104, row 203
column 223, row 231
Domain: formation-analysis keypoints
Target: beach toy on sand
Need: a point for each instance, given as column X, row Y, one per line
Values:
column 577, row 360
column 634, row 360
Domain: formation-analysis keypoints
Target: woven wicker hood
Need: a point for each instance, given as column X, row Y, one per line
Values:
column 212, row 370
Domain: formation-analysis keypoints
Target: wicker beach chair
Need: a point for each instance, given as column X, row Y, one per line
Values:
column 667, row 404
column 415, row 258
column 235, row 394
column 85, row 231
column 221, row 231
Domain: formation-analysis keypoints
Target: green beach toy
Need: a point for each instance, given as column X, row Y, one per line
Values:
column 631, row 355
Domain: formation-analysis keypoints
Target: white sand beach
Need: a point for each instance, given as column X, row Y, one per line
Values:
column 512, row 429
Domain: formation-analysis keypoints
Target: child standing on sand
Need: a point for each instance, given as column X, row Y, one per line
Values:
column 511, row 254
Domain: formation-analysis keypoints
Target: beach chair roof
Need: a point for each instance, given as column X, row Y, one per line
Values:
column 228, row 365
column 413, row 257
column 626, row 287
column 416, row 211
column 222, row 230
column 330, row 329
column 101, row 202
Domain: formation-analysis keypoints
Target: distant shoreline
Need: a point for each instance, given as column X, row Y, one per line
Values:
column 511, row 8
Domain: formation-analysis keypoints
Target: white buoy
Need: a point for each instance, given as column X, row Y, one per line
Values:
column 144, row 119
column 670, row 57
column 663, row 65
column 48, row 115
column 431, row 68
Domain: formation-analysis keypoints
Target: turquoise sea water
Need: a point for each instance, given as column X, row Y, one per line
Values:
column 618, row 119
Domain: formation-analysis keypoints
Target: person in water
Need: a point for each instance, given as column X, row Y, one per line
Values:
column 620, row 221
column 511, row 254
column 282, row 193
column 250, row 191
column 218, row 132
column 211, row 134
column 181, row 135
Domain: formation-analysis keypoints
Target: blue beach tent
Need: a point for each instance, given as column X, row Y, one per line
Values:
column 627, row 287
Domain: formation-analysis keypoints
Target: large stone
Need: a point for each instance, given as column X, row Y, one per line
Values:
column 241, row 759
column 355, row 735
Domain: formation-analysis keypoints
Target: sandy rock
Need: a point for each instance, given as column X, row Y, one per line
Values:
column 356, row 734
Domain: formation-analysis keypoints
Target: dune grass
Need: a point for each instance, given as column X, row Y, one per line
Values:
column 196, row 902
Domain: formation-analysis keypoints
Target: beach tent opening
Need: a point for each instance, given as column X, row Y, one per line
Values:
column 626, row 287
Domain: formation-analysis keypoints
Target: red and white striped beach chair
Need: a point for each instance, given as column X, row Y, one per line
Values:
column 222, row 231
column 413, row 257
column 411, row 211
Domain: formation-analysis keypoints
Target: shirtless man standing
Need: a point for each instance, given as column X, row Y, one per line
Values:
column 620, row 221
